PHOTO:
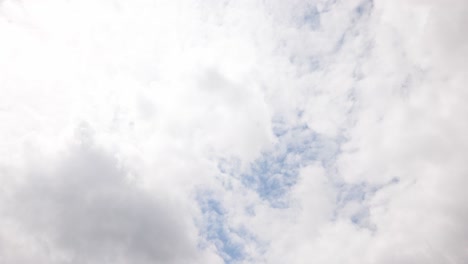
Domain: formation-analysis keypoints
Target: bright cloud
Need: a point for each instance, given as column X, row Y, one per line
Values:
column 191, row 131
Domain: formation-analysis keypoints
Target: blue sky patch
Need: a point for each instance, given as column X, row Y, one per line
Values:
column 273, row 174
column 217, row 230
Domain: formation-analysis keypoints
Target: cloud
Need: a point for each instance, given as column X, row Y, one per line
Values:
column 233, row 131
column 403, row 141
column 86, row 209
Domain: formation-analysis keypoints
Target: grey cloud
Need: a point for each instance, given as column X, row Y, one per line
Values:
column 87, row 210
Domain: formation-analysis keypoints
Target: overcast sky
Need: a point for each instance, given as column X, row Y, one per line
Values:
column 233, row 131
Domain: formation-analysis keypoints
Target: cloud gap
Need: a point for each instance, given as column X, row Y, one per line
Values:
column 276, row 171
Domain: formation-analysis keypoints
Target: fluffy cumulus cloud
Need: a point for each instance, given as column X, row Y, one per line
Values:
column 154, row 131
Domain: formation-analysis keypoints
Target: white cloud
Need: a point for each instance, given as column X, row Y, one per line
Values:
column 235, row 131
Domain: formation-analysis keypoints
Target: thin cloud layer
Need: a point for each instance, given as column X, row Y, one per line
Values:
column 233, row 131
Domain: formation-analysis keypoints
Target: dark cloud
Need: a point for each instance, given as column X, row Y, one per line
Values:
column 87, row 209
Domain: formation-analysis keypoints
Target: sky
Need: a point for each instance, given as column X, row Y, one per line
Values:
column 225, row 132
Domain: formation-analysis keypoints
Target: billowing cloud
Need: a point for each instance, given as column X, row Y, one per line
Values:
column 233, row 131
column 87, row 209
